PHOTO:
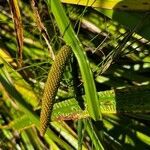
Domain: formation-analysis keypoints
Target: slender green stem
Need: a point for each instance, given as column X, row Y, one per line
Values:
column 93, row 135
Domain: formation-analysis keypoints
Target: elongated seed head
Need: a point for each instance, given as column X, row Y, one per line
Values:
column 51, row 86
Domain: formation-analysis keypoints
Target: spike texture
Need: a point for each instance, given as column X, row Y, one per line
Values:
column 51, row 86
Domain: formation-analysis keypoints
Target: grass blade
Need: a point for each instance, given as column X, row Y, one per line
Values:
column 72, row 40
column 93, row 135
column 115, row 4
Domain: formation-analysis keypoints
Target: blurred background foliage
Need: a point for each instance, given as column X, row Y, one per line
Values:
column 118, row 49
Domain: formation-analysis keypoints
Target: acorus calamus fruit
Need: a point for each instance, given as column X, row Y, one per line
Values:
column 51, row 86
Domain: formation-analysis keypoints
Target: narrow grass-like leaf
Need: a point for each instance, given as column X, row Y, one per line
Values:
column 42, row 28
column 63, row 131
column 80, row 134
column 72, row 40
column 93, row 135
column 26, row 140
column 37, row 143
column 18, row 27
column 20, row 123
column 113, row 4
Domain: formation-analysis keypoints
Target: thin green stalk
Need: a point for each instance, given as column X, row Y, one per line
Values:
column 80, row 135
column 93, row 135
column 72, row 40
